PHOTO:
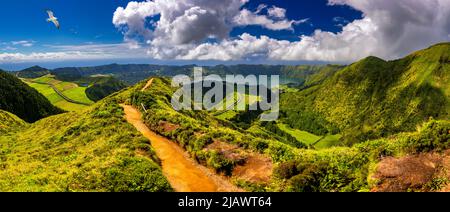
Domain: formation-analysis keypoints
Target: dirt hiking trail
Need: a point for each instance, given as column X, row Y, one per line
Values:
column 183, row 173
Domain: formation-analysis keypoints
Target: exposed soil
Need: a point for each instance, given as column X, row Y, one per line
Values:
column 412, row 172
column 168, row 127
column 253, row 167
column 183, row 173
column 257, row 168
column 149, row 83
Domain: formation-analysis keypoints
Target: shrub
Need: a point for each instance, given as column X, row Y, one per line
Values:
column 434, row 136
column 135, row 175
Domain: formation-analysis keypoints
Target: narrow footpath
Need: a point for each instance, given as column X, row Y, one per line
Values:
column 183, row 173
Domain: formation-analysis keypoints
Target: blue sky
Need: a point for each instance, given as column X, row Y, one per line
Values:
column 85, row 21
column 88, row 35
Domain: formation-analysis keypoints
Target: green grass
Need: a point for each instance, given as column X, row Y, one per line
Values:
column 10, row 122
column 373, row 98
column 92, row 150
column 78, row 94
column 309, row 138
column 44, row 79
column 227, row 115
column 230, row 114
column 328, row 142
column 54, row 98
column 303, row 136
column 47, row 91
column 349, row 169
column 71, row 90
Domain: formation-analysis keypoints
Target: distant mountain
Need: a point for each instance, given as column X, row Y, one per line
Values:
column 134, row 73
column 130, row 74
column 20, row 99
column 375, row 98
column 33, row 72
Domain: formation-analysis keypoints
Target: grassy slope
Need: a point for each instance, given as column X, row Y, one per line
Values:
column 56, row 99
column 71, row 90
column 319, row 142
column 100, row 87
column 323, row 169
column 229, row 114
column 20, row 99
column 374, row 98
column 350, row 168
column 94, row 150
column 197, row 129
column 10, row 123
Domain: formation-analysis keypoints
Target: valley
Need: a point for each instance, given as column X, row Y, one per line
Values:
column 373, row 125
column 65, row 95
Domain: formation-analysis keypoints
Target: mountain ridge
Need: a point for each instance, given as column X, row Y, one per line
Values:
column 20, row 99
column 377, row 97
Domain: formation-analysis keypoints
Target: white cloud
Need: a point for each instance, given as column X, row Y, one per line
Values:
column 190, row 21
column 277, row 12
column 402, row 25
column 75, row 52
column 248, row 18
column 388, row 29
column 23, row 43
column 9, row 48
column 261, row 7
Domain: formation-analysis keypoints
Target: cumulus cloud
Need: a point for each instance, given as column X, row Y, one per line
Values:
column 199, row 30
column 179, row 22
column 248, row 18
column 402, row 25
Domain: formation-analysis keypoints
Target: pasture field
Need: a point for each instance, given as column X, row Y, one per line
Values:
column 309, row 138
column 70, row 90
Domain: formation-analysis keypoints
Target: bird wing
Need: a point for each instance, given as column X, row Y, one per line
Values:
column 56, row 22
column 50, row 14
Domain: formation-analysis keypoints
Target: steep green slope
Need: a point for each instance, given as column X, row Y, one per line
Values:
column 310, row 74
column 93, row 150
column 374, row 98
column 33, row 72
column 22, row 100
column 350, row 169
column 196, row 130
column 103, row 87
column 297, row 169
column 10, row 123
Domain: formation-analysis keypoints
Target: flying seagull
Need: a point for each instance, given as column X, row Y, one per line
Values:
column 52, row 18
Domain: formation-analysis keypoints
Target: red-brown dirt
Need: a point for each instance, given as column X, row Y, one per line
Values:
column 412, row 173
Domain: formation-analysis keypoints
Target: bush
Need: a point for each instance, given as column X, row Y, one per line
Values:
column 286, row 170
column 434, row 136
column 135, row 175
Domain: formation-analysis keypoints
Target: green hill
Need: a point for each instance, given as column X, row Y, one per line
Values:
column 92, row 150
column 68, row 96
column 33, row 72
column 375, row 98
column 10, row 123
column 20, row 99
column 297, row 169
column 104, row 86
